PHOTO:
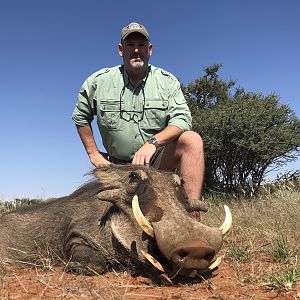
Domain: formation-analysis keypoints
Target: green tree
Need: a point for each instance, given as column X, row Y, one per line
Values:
column 246, row 135
column 208, row 90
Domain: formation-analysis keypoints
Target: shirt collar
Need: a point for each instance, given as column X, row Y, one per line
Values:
column 127, row 80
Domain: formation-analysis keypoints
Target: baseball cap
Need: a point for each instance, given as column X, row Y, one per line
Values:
column 134, row 27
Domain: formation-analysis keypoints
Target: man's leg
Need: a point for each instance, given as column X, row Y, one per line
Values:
column 187, row 152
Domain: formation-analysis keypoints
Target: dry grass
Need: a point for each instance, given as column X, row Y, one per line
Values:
column 261, row 221
column 265, row 229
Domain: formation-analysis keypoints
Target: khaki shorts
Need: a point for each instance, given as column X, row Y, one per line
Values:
column 156, row 158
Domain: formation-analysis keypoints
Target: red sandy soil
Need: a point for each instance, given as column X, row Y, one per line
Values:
column 229, row 282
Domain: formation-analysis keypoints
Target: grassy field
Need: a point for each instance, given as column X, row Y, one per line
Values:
column 261, row 259
column 265, row 229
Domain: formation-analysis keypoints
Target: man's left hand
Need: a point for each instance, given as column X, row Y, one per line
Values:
column 144, row 154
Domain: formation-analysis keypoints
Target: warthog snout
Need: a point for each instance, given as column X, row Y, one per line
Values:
column 193, row 255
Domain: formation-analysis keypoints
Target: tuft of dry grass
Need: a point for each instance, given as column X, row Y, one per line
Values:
column 283, row 280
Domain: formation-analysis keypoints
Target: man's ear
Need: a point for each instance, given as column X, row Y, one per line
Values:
column 150, row 49
column 120, row 49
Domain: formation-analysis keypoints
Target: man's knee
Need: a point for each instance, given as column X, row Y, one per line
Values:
column 191, row 140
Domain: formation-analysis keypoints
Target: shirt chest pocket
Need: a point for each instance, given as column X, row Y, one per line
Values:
column 156, row 114
column 108, row 114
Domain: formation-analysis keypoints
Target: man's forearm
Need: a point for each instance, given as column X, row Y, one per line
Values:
column 169, row 134
column 87, row 137
column 86, row 134
column 166, row 136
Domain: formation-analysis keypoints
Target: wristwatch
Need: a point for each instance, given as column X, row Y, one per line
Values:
column 153, row 140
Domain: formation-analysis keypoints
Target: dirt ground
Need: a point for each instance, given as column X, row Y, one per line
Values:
column 229, row 282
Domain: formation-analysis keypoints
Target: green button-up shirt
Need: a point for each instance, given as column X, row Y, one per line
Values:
column 128, row 116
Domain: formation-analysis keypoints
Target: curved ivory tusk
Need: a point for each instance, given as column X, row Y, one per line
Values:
column 153, row 261
column 216, row 263
column 140, row 218
column 228, row 221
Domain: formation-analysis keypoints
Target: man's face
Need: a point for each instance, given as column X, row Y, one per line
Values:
column 136, row 51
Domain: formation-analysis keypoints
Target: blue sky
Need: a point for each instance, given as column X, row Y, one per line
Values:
column 49, row 47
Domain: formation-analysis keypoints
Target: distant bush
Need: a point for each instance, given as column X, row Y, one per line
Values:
column 16, row 203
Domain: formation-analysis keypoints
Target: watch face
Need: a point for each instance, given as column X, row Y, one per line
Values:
column 152, row 140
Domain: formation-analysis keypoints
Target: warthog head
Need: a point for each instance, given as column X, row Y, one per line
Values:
column 149, row 216
column 126, row 214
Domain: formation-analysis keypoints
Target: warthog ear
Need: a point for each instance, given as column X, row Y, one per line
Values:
column 196, row 205
column 191, row 204
column 110, row 184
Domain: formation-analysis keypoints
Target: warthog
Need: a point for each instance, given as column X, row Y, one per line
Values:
column 125, row 214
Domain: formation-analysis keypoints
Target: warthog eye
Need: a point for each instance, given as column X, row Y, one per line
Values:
column 134, row 176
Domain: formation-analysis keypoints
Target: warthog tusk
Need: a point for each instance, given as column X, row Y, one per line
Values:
column 153, row 261
column 216, row 263
column 140, row 218
column 228, row 221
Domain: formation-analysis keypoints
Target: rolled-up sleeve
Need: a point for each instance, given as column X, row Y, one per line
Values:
column 85, row 109
column 179, row 112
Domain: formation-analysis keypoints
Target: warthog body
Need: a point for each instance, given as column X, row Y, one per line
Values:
column 95, row 228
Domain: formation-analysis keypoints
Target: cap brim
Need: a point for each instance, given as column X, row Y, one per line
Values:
column 135, row 31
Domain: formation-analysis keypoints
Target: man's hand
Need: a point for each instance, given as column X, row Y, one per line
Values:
column 98, row 160
column 87, row 137
column 144, row 154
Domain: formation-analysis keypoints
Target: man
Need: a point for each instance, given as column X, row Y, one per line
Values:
column 142, row 115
